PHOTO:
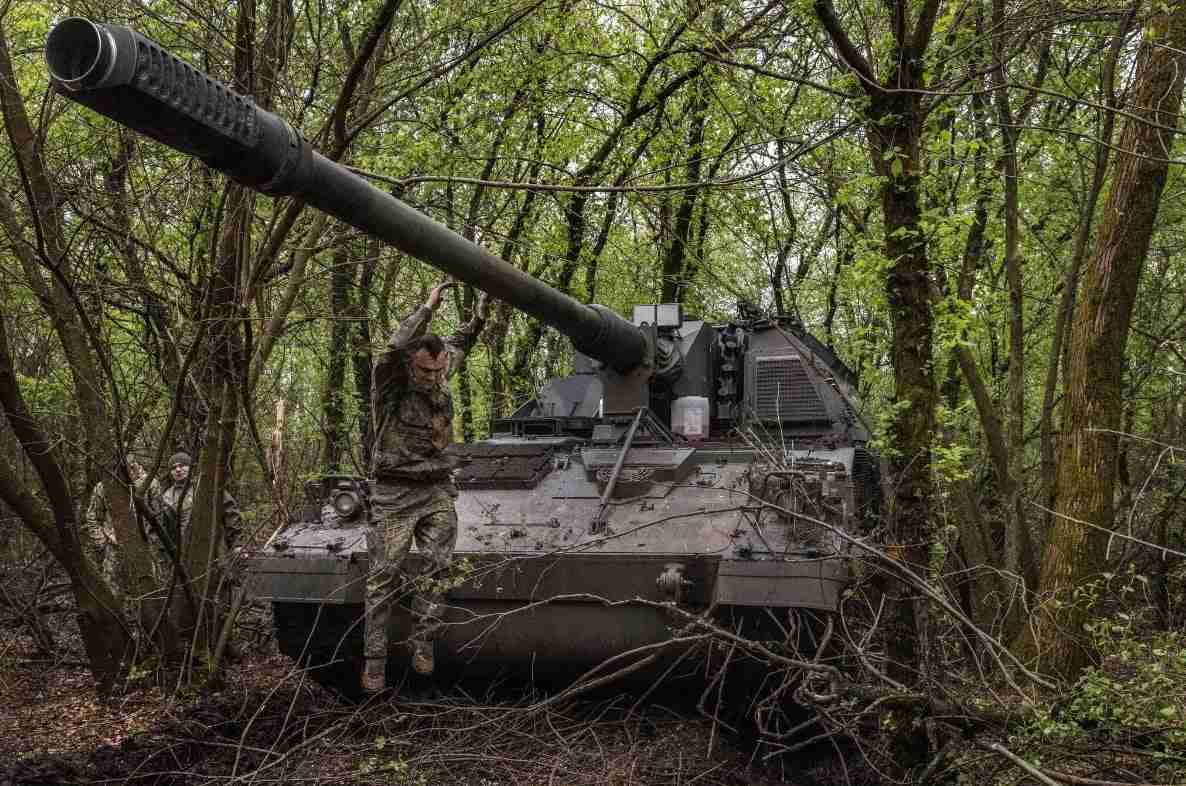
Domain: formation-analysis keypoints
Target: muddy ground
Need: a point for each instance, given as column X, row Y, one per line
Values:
column 268, row 724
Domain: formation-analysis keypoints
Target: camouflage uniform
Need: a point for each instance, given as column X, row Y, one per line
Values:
column 413, row 494
column 175, row 505
column 98, row 530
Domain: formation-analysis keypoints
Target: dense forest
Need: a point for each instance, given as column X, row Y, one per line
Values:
column 973, row 204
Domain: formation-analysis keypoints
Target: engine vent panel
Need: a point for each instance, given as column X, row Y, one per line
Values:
column 783, row 390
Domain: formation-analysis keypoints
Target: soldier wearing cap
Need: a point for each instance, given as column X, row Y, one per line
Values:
column 413, row 494
column 175, row 504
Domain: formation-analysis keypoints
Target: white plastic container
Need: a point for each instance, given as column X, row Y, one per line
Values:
column 689, row 417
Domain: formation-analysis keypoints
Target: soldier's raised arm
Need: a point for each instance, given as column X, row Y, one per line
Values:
column 460, row 343
column 417, row 323
column 387, row 364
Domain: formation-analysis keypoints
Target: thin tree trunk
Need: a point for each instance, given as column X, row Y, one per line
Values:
column 361, row 352
column 335, row 435
column 895, row 114
column 1062, row 317
column 674, row 278
column 100, row 621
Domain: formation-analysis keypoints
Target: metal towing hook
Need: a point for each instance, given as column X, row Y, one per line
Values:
column 672, row 583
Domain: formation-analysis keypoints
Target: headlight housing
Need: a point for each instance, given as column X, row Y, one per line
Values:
column 346, row 504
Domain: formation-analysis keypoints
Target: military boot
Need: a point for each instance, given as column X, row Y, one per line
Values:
column 374, row 675
column 423, row 661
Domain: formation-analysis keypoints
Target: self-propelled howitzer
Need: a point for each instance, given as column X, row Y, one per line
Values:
column 686, row 466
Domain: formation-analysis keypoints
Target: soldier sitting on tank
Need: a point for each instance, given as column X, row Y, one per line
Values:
column 413, row 493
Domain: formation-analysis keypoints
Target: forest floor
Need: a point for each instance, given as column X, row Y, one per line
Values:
column 266, row 724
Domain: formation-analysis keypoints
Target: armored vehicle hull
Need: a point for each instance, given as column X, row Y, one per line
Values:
column 541, row 592
column 589, row 543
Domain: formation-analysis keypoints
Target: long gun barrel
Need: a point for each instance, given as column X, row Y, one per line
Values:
column 132, row 80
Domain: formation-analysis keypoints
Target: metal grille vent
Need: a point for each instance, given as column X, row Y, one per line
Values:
column 784, row 391
column 866, row 482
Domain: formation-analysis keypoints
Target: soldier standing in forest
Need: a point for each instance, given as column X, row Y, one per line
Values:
column 175, row 505
column 414, row 493
column 99, row 529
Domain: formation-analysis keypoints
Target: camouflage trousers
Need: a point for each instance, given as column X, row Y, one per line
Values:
column 110, row 567
column 402, row 512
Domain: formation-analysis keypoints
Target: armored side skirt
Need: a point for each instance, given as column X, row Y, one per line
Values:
column 553, row 616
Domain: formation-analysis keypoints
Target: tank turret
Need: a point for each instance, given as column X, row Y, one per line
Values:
column 713, row 467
